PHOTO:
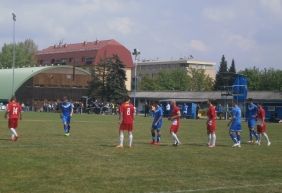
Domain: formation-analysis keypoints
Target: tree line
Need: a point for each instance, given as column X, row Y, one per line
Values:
column 109, row 76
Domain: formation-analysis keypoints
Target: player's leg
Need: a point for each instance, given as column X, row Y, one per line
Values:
column 130, row 138
column 233, row 137
column 173, row 131
column 153, row 133
column 238, row 136
column 68, row 122
column 158, row 135
column 13, row 124
column 121, row 138
column 267, row 138
column 254, row 133
column 213, row 139
column 209, row 138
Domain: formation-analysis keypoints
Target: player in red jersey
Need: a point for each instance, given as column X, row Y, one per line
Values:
column 175, row 117
column 211, row 124
column 126, row 121
column 261, row 125
column 13, row 114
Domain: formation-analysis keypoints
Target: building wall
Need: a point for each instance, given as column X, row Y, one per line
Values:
column 152, row 68
column 85, row 55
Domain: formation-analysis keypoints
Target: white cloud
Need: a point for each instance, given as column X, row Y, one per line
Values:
column 123, row 25
column 219, row 14
column 198, row 45
column 240, row 41
column 274, row 7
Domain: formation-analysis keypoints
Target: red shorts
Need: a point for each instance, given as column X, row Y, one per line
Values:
column 211, row 128
column 126, row 127
column 13, row 123
column 261, row 129
column 174, row 126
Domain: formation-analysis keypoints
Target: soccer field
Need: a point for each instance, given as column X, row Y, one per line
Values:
column 44, row 160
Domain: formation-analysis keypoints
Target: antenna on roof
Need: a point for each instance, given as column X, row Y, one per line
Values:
column 61, row 42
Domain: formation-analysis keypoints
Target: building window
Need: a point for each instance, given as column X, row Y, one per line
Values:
column 63, row 61
column 88, row 60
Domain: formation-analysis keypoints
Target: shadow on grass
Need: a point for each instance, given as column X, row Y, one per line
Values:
column 4, row 139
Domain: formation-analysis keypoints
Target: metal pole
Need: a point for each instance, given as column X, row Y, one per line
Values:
column 135, row 80
column 14, row 53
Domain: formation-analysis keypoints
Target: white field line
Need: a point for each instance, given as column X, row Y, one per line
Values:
column 222, row 188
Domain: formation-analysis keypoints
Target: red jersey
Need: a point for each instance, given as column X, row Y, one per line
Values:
column 127, row 113
column 175, row 111
column 14, row 110
column 211, row 124
column 175, row 122
column 261, row 114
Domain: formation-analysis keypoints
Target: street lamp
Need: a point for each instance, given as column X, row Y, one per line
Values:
column 135, row 53
column 14, row 53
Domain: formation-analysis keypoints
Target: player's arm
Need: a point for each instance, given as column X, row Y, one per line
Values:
column 161, row 116
column 7, row 112
column 71, row 110
column 176, row 116
column 6, row 115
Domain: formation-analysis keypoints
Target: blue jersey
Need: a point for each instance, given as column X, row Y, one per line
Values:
column 252, row 111
column 66, row 108
column 251, row 115
column 236, row 119
column 158, row 115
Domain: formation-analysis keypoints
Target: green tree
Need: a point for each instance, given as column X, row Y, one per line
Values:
column 200, row 81
column 108, row 80
column 266, row 79
column 149, row 84
column 220, row 78
column 253, row 75
column 95, row 85
column 232, row 71
column 178, row 80
column 98, row 87
column 115, row 81
column 24, row 54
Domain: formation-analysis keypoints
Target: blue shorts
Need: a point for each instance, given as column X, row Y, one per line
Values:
column 66, row 119
column 252, row 123
column 156, row 127
column 235, row 127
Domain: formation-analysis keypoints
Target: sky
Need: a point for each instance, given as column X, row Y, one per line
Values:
column 248, row 31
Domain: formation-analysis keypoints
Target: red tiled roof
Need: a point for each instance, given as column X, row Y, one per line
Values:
column 98, row 49
column 83, row 46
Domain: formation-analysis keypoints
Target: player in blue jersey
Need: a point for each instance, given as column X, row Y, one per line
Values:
column 66, row 108
column 234, row 125
column 251, row 115
column 157, row 122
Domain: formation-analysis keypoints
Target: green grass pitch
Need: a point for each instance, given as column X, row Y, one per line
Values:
column 43, row 160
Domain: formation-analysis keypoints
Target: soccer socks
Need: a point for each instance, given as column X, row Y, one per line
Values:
column 66, row 128
column 251, row 134
column 130, row 138
column 254, row 133
column 238, row 138
column 153, row 136
column 158, row 138
column 175, row 138
column 234, row 139
column 121, row 138
column 209, row 139
column 14, row 132
column 213, row 139
column 266, row 137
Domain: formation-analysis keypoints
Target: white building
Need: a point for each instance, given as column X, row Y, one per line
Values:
column 152, row 68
